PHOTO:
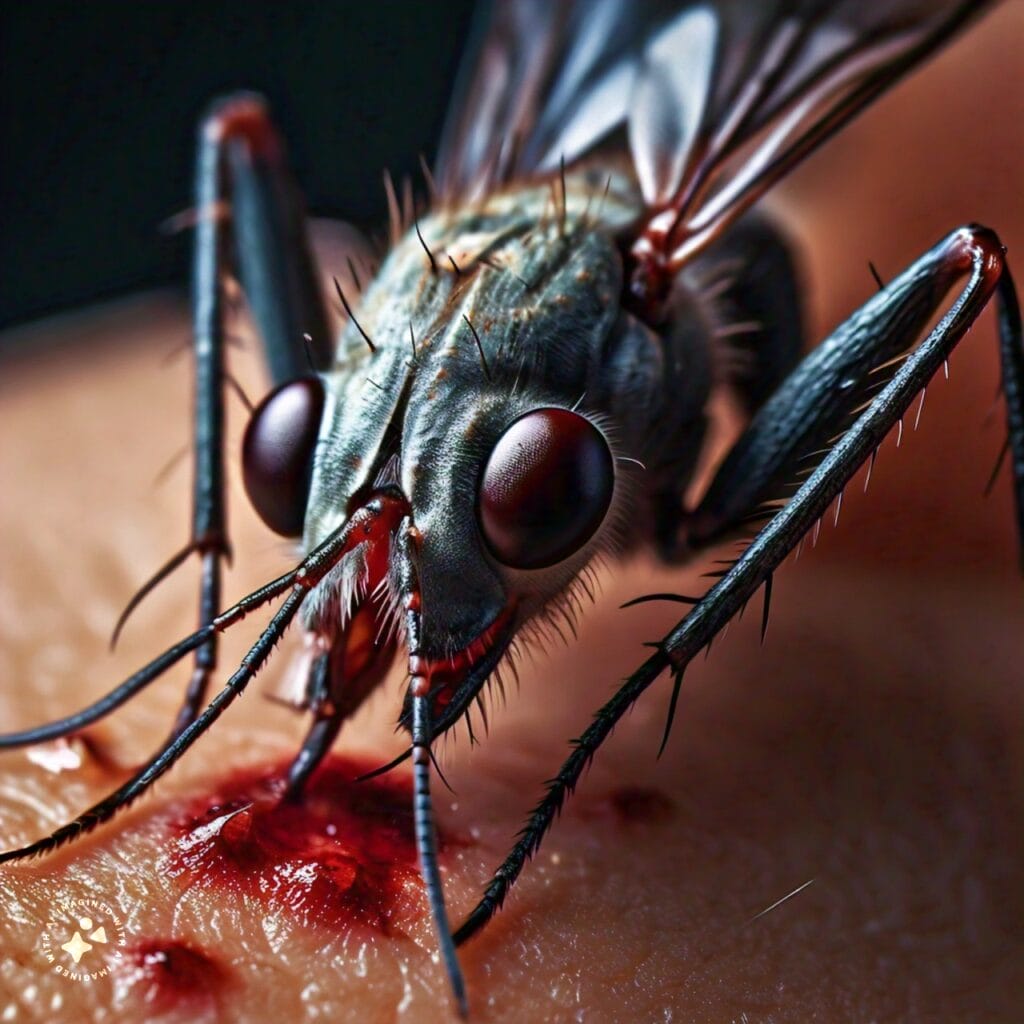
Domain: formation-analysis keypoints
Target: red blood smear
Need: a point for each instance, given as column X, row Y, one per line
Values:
column 345, row 855
column 164, row 974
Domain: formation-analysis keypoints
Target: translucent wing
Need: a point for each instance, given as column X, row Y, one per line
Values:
column 784, row 77
column 717, row 100
column 542, row 80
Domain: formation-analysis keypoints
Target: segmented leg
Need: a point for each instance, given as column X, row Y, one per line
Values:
column 243, row 195
column 249, row 219
column 327, row 719
column 139, row 680
column 299, row 582
column 421, row 728
column 175, row 747
column 890, row 320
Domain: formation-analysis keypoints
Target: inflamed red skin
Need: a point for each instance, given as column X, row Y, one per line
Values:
column 874, row 744
column 343, row 857
column 165, row 977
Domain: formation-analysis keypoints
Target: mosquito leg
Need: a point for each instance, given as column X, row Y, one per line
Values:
column 249, row 219
column 299, row 581
column 136, row 682
column 241, row 168
column 426, row 841
column 275, row 261
column 822, row 397
column 890, row 319
column 327, row 719
column 422, row 730
column 175, row 747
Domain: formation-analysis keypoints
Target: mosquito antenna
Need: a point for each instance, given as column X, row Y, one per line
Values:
column 423, row 812
column 426, row 248
column 352, row 317
column 479, row 348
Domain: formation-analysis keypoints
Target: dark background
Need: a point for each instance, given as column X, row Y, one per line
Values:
column 98, row 106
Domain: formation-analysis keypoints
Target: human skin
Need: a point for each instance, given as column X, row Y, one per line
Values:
column 873, row 744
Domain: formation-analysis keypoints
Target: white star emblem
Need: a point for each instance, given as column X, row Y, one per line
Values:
column 77, row 946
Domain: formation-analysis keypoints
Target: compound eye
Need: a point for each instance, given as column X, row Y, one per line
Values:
column 545, row 489
column 277, row 453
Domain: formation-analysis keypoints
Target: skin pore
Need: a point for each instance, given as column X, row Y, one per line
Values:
column 873, row 744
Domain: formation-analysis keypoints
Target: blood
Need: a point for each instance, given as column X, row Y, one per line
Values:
column 343, row 856
column 359, row 657
column 164, row 974
column 640, row 804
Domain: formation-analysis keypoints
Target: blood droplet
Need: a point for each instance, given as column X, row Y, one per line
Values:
column 170, row 975
column 344, row 855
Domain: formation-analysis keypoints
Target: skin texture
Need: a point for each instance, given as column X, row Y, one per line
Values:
column 872, row 745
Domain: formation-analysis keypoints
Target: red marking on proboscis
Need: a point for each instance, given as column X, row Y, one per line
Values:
column 359, row 658
column 445, row 674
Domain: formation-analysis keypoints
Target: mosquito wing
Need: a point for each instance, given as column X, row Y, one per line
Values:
column 716, row 101
column 540, row 81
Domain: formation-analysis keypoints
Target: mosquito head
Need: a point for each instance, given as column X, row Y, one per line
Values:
column 511, row 495
column 490, row 401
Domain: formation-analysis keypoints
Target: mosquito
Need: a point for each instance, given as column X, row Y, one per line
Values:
column 522, row 384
